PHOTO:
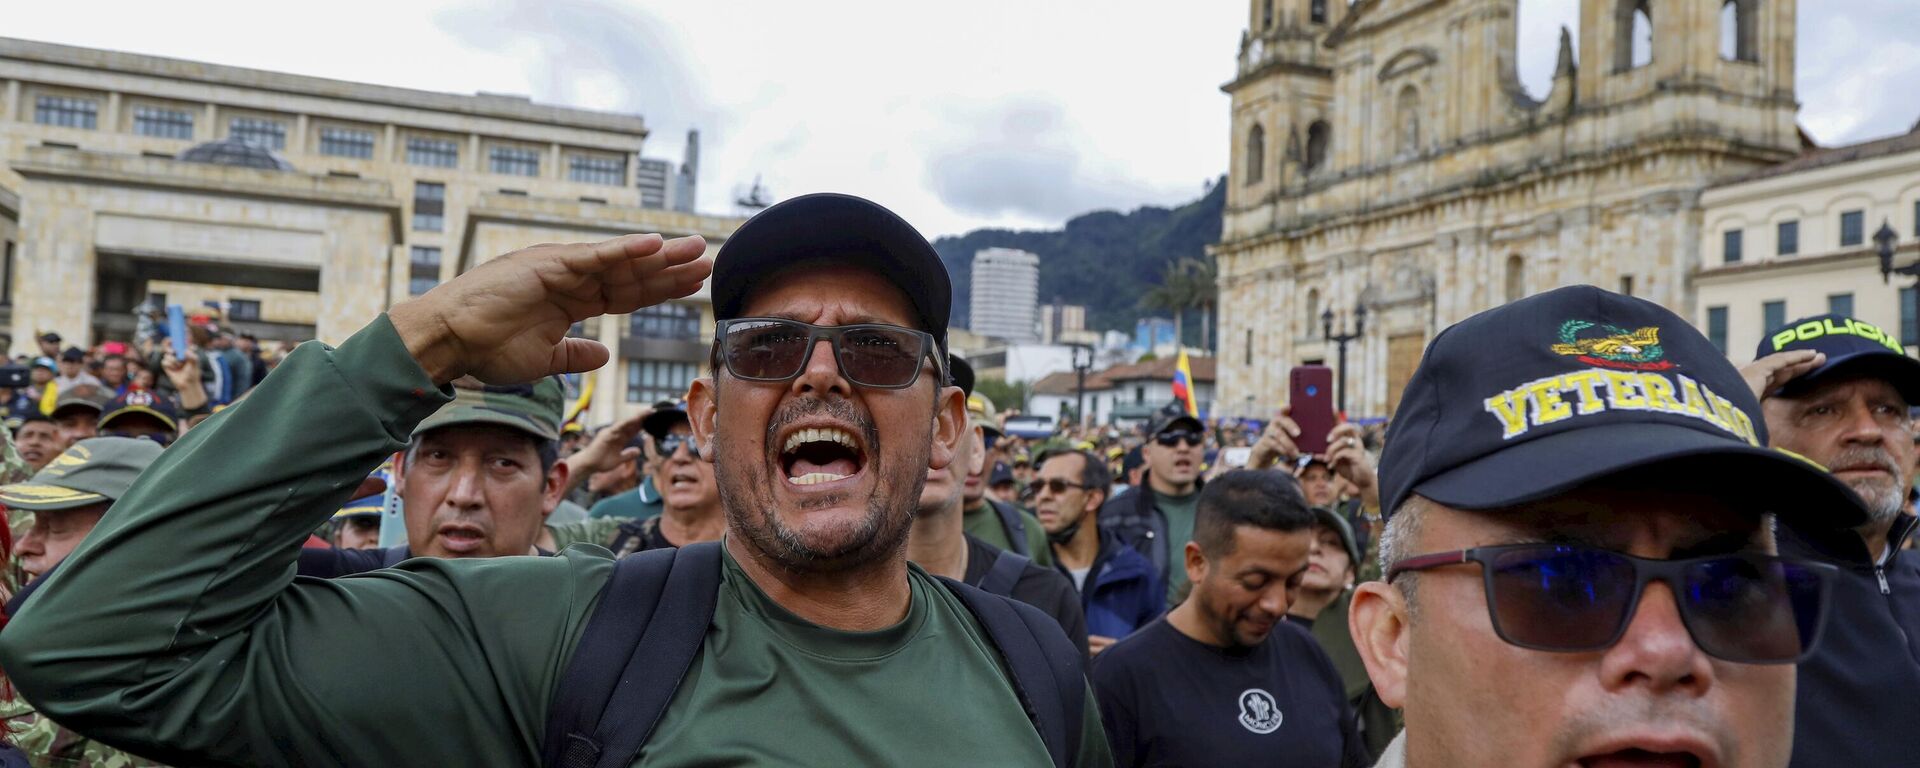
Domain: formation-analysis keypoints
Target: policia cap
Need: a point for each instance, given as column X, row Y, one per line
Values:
column 531, row 408
column 95, row 470
column 1851, row 346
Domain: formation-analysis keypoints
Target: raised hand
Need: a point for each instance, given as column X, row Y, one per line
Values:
column 506, row 321
column 1774, row 371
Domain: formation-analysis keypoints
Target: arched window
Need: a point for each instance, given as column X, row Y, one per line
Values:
column 1516, row 278
column 1317, row 138
column 1256, row 154
column 1633, row 46
column 1317, row 11
column 1313, row 310
column 1266, row 15
column 1738, row 27
column 1407, row 112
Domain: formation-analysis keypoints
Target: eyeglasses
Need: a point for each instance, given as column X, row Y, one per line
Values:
column 1173, row 436
column 1746, row 608
column 670, row 444
column 870, row 354
column 1056, row 485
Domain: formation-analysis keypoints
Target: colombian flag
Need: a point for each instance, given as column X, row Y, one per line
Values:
column 1183, row 386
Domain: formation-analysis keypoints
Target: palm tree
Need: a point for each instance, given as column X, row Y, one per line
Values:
column 1185, row 284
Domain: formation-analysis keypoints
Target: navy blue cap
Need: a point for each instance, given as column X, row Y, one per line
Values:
column 1001, row 474
column 666, row 415
column 1852, row 347
column 1549, row 393
column 840, row 228
column 962, row 373
column 1171, row 415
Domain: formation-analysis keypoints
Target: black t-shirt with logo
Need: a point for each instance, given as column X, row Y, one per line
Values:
column 1167, row 699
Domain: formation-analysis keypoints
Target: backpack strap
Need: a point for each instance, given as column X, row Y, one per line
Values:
column 1045, row 667
column 1015, row 526
column 627, row 664
column 1003, row 574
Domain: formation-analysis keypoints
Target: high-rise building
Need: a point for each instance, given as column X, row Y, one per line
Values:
column 1006, row 294
column 1064, row 324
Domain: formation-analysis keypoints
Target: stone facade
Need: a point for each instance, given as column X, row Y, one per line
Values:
column 1800, row 236
column 1384, row 155
column 391, row 192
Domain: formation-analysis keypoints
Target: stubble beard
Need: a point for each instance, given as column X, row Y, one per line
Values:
column 746, row 495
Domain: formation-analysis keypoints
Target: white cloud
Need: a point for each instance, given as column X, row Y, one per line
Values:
column 990, row 113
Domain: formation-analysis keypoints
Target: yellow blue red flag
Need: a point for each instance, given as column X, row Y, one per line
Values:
column 1183, row 386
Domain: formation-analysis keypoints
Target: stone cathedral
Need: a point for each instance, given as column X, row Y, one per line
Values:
column 1385, row 156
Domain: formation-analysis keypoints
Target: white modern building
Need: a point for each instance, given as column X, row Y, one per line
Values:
column 1006, row 295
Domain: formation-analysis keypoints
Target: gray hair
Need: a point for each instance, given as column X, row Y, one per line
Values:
column 1402, row 530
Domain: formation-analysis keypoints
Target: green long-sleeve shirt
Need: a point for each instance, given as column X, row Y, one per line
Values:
column 178, row 629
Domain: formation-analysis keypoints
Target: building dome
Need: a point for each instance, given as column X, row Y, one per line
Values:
column 235, row 151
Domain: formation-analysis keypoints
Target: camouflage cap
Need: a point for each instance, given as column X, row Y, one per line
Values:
column 92, row 471
column 531, row 408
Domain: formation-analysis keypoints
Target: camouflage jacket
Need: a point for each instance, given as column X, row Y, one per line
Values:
column 50, row 746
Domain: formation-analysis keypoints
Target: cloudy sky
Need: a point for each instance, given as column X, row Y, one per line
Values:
column 959, row 115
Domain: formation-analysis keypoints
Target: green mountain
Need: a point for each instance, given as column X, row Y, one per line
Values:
column 1104, row 260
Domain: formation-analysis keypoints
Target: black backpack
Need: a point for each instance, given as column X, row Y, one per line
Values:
column 1015, row 526
column 630, row 660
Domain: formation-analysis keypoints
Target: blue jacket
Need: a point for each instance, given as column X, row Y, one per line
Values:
column 1857, row 692
column 1122, row 592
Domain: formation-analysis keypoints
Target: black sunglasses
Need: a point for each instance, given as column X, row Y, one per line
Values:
column 666, row 446
column 1172, row 436
column 1055, row 484
column 1743, row 608
column 870, row 354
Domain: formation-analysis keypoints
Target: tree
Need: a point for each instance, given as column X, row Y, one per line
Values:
column 1185, row 285
column 1005, row 396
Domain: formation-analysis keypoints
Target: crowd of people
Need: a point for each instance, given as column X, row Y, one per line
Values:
column 831, row 552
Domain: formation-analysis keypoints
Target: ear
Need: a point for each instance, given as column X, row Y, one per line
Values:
column 703, row 410
column 1378, row 623
column 1196, row 563
column 977, row 461
column 400, row 473
column 949, row 428
column 556, row 487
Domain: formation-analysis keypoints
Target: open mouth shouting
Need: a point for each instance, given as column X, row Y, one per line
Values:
column 818, row 455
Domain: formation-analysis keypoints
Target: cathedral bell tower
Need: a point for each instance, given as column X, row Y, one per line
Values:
column 1282, row 95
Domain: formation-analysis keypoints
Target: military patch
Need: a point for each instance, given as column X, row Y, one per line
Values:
column 1610, row 346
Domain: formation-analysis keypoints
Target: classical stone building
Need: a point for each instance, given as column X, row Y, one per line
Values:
column 1385, row 155
column 1797, row 239
column 302, row 207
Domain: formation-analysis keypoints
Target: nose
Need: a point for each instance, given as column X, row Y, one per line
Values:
column 1277, row 600
column 1656, row 652
column 1862, row 427
column 822, row 373
column 28, row 545
column 465, row 490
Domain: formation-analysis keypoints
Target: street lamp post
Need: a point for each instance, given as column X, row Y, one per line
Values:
column 1082, row 361
column 1341, row 340
column 1884, row 240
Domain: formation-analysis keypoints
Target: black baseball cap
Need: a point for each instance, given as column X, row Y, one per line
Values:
column 1172, row 415
column 666, row 415
column 962, row 373
column 1851, row 346
column 1555, row 391
column 840, row 228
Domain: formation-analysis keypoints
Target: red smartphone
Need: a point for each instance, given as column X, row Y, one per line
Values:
column 1310, row 405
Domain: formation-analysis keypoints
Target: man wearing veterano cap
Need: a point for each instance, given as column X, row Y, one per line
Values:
column 1837, row 390
column 1579, row 550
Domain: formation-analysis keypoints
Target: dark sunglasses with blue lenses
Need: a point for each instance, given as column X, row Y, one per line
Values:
column 872, row 355
column 1172, row 437
column 1742, row 608
column 671, row 443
